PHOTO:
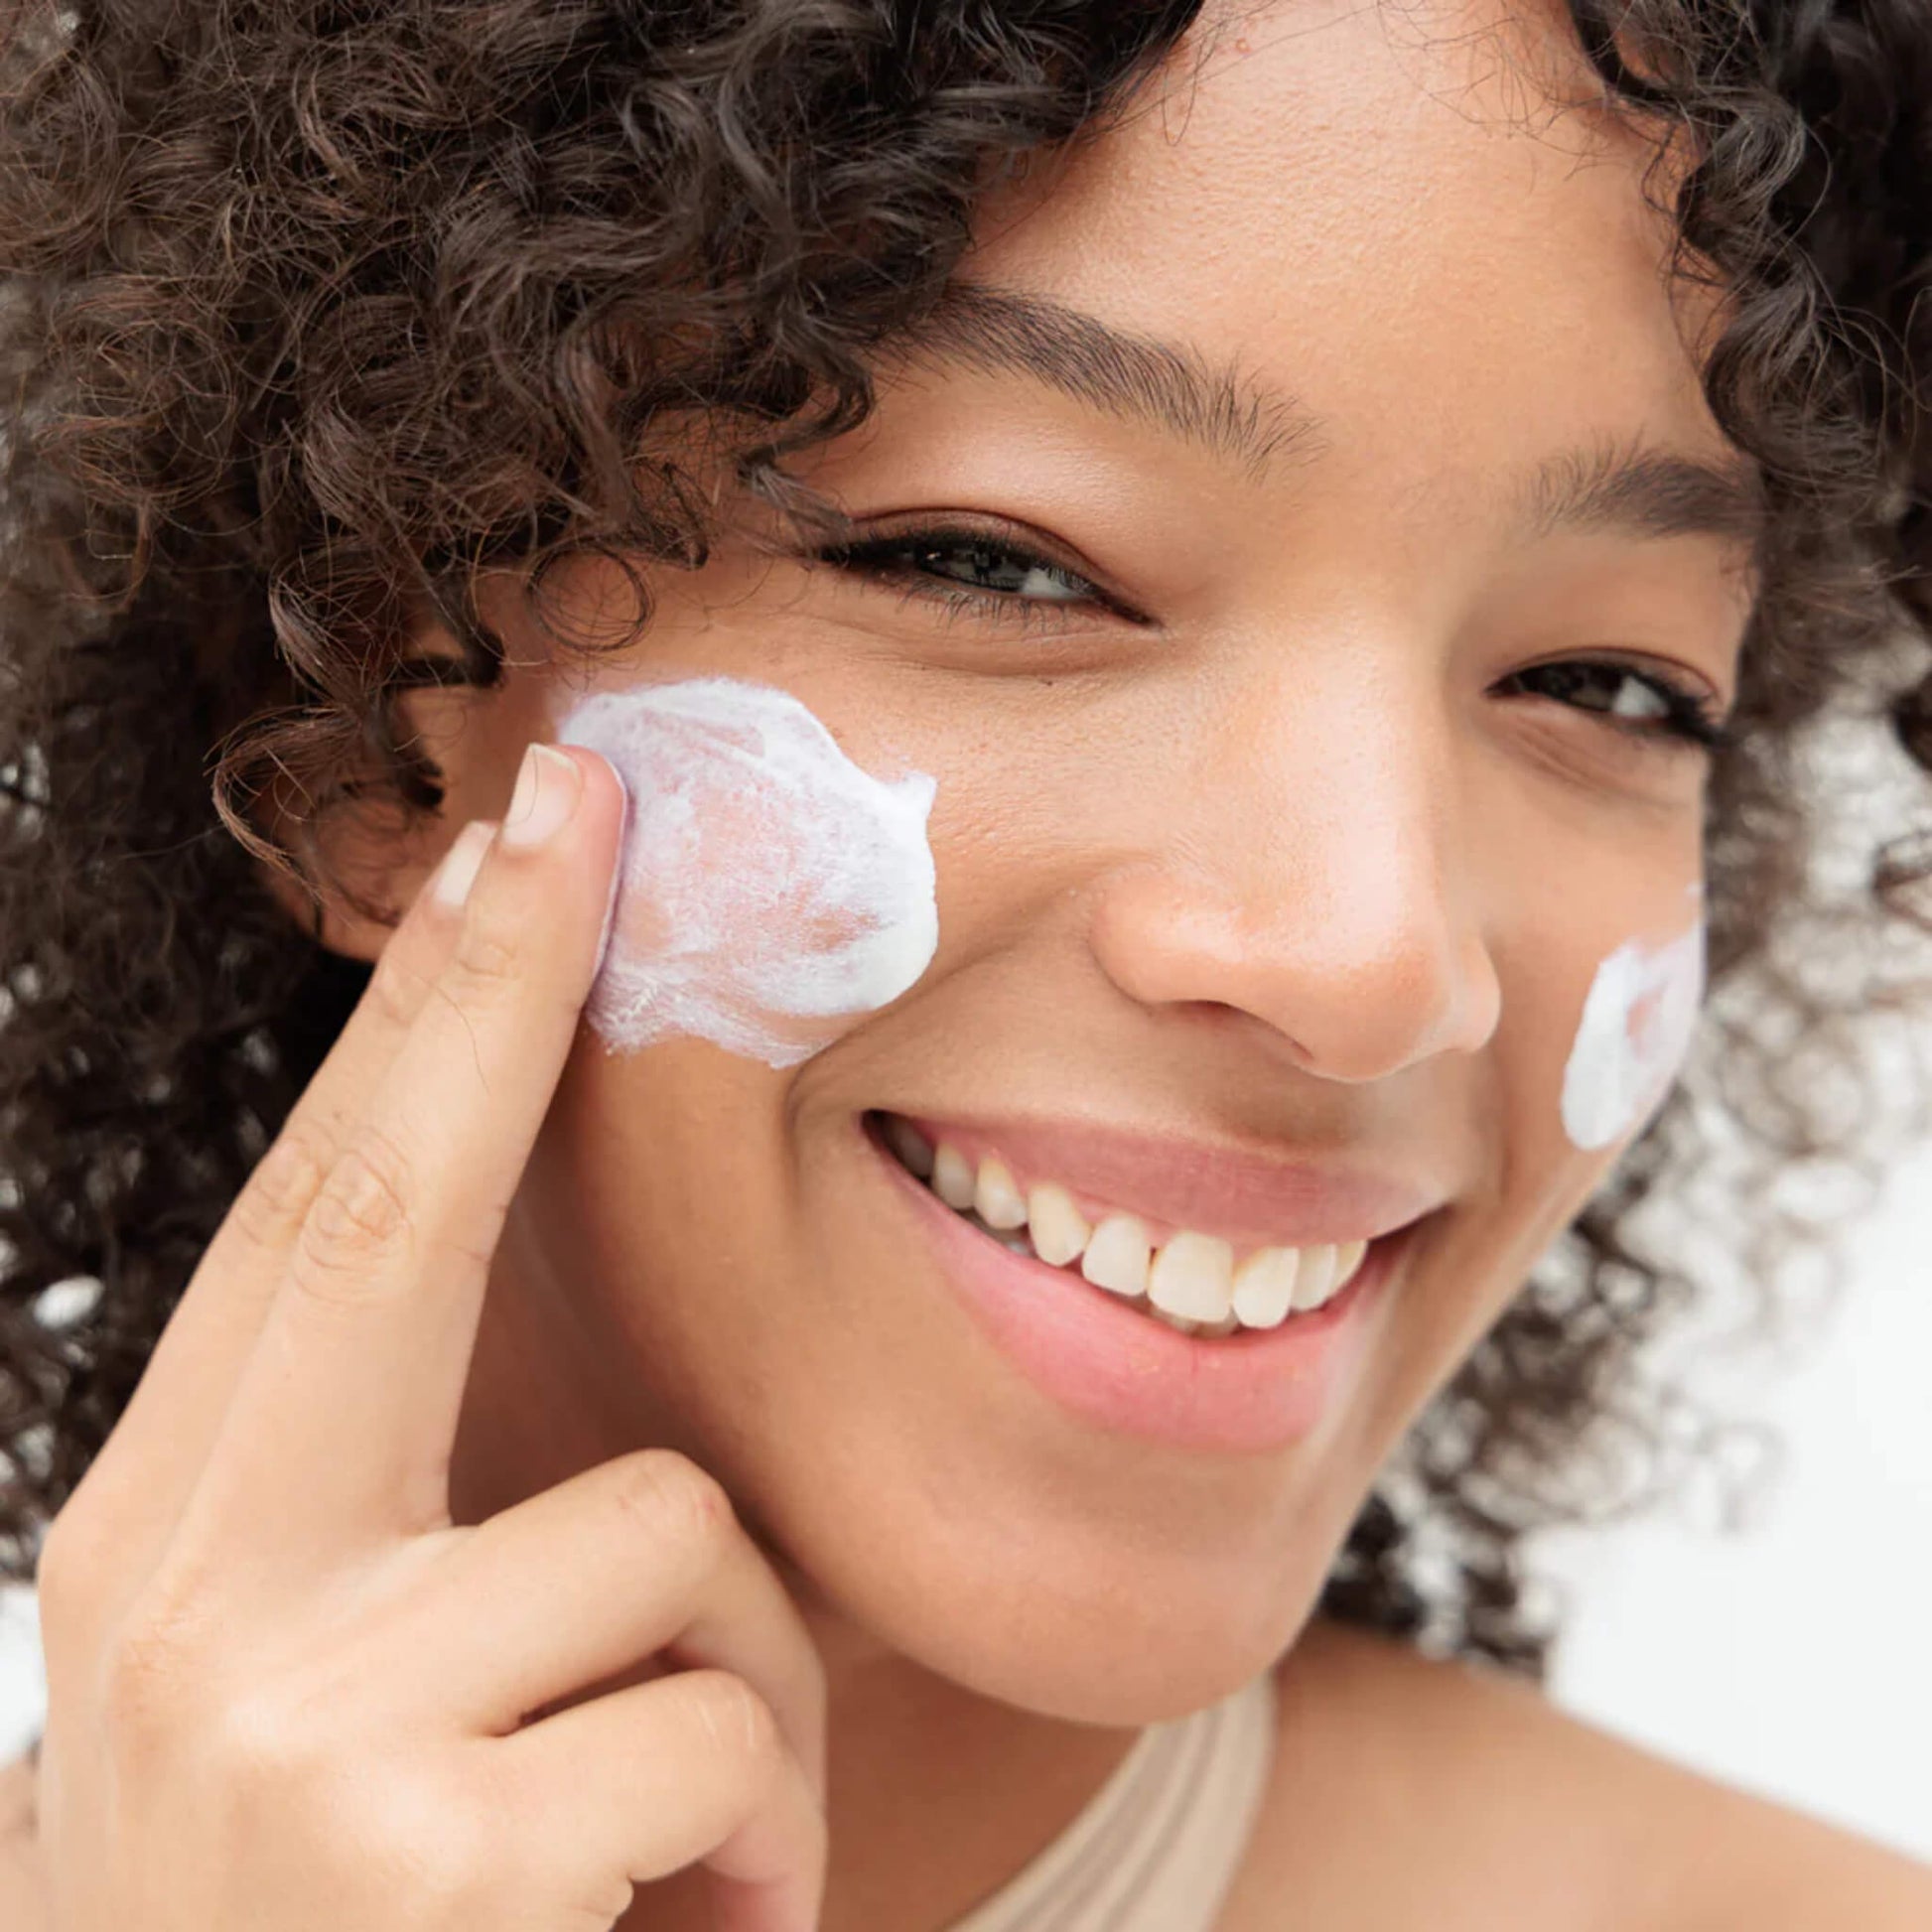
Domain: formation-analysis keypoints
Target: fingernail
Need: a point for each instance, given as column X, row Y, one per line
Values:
column 458, row 871
column 617, row 879
column 547, row 790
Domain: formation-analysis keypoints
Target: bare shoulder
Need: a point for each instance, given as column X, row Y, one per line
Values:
column 1411, row 1793
column 23, row 1902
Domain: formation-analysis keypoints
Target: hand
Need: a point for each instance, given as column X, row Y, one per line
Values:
column 286, row 1693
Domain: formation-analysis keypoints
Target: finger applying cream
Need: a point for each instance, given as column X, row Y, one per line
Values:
column 770, row 890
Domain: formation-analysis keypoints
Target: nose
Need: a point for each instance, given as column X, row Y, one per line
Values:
column 1318, row 881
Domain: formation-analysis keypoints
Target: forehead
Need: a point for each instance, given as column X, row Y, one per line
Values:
column 1414, row 218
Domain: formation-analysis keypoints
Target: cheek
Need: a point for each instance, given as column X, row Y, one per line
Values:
column 769, row 889
column 1635, row 1031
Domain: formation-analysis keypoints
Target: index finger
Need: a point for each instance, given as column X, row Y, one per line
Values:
column 142, row 1477
column 341, row 1428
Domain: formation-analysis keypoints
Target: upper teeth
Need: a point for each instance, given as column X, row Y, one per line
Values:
column 1192, row 1281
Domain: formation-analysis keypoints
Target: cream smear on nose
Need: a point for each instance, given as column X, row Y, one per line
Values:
column 1639, row 1019
column 769, row 889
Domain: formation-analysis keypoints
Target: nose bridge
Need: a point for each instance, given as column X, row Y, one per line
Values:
column 1323, row 880
column 1351, row 788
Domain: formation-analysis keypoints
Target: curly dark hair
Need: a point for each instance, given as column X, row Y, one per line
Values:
column 314, row 308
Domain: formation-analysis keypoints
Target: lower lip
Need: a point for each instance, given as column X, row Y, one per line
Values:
column 1255, row 1390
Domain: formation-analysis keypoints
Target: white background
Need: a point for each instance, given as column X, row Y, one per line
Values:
column 1795, row 1657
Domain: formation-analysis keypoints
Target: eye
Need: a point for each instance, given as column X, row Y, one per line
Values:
column 1646, row 704
column 966, row 569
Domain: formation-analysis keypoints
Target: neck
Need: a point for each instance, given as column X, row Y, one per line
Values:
column 937, row 1795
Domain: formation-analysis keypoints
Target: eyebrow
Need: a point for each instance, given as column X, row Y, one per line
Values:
column 1222, row 409
column 1647, row 492
column 1240, row 418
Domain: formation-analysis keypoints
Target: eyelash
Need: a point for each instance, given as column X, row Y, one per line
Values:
column 1690, row 716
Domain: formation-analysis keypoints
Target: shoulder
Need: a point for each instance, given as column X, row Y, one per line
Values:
column 1416, row 1793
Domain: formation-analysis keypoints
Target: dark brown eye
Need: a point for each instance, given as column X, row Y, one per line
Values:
column 970, row 571
column 989, row 567
column 1642, row 704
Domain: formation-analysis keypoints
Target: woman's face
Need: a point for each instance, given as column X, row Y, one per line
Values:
column 1276, row 856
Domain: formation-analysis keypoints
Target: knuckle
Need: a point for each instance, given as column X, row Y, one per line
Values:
column 394, row 994
column 69, row 1567
column 290, row 1759
column 415, row 1839
column 285, row 1181
column 259, row 1744
column 361, row 1214
column 488, row 963
column 453, row 1870
column 739, row 1724
column 301, row 1775
column 673, row 1497
column 149, row 1680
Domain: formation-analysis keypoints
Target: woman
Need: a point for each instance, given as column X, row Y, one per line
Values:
column 1154, row 647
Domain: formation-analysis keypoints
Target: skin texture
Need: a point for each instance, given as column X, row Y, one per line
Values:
column 703, row 1254
column 1277, row 870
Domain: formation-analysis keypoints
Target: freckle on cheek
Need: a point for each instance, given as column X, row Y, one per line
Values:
column 769, row 889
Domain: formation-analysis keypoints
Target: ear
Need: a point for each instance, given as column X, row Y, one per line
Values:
column 390, row 868
column 475, row 740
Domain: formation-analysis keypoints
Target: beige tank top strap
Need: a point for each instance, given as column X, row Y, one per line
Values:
column 1160, row 1844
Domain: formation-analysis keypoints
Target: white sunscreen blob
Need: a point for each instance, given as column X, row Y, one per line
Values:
column 766, row 884
column 1637, row 1029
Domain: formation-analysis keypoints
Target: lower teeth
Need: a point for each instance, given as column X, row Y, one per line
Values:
column 1014, row 1240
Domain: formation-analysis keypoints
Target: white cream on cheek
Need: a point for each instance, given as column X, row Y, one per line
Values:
column 769, row 889
column 1636, row 1027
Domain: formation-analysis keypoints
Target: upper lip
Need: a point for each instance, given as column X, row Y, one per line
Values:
column 1211, row 1187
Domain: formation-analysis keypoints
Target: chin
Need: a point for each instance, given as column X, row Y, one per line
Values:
column 1038, row 1602
column 977, row 1457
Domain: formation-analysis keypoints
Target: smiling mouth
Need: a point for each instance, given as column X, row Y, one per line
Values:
column 1199, row 1284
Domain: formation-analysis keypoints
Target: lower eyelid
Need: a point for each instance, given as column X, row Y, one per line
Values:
column 993, row 604
column 1657, row 737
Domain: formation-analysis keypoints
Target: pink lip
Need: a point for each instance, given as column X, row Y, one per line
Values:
column 1250, row 1392
column 1247, row 1198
